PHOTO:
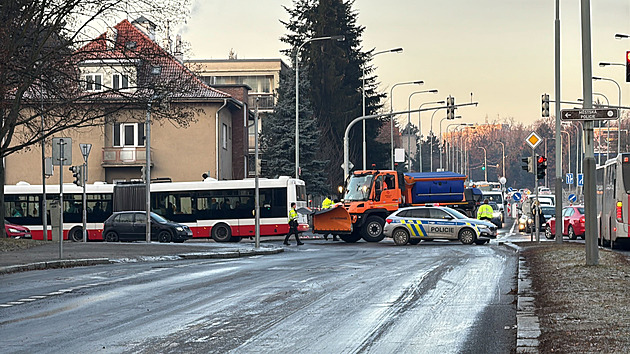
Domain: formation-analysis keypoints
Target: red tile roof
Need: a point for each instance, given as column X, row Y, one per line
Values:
column 149, row 55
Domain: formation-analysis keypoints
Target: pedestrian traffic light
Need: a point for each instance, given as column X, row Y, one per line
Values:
column 450, row 107
column 529, row 167
column 541, row 167
column 628, row 66
column 77, row 173
column 545, row 105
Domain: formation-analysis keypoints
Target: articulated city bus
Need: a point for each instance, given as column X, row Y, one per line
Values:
column 613, row 200
column 223, row 210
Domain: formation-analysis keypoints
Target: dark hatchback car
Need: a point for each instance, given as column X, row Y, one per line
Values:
column 131, row 226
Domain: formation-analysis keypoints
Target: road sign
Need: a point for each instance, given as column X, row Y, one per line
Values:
column 589, row 114
column 510, row 189
column 516, row 196
column 572, row 198
column 580, row 180
column 533, row 140
column 350, row 165
column 62, row 151
column 569, row 178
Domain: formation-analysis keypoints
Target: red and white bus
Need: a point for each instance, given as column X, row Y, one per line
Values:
column 613, row 200
column 223, row 210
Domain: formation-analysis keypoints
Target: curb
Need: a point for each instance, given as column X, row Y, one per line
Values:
column 69, row 263
column 527, row 322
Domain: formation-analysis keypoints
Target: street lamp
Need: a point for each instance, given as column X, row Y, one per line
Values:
column 391, row 110
column 485, row 162
column 395, row 50
column 619, row 105
column 419, row 127
column 297, row 97
column 568, row 151
column 503, row 155
column 621, row 36
column 431, row 132
column 603, row 64
column 442, row 145
column 450, row 158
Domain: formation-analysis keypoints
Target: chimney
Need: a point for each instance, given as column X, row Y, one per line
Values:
column 110, row 38
column 178, row 49
column 146, row 26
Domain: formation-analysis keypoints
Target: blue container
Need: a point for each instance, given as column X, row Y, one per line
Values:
column 436, row 187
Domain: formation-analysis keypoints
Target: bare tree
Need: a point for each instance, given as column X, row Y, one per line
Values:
column 46, row 48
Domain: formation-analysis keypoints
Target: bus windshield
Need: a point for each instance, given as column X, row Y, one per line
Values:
column 358, row 188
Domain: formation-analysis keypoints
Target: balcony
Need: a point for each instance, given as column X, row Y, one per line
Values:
column 124, row 156
column 266, row 101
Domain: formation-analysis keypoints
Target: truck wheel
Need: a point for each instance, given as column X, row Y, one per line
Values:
column 372, row 230
column 401, row 237
column 467, row 236
column 350, row 238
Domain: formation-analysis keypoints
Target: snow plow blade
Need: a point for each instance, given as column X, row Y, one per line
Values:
column 332, row 221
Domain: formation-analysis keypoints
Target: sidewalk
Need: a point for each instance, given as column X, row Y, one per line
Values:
column 92, row 253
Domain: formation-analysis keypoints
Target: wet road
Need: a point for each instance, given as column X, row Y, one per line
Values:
column 322, row 297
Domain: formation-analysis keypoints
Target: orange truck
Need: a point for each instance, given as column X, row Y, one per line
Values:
column 371, row 195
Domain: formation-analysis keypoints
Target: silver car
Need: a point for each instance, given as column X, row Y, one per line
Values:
column 413, row 224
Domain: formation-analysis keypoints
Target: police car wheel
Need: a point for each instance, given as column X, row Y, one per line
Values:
column 467, row 236
column 372, row 230
column 401, row 237
column 414, row 241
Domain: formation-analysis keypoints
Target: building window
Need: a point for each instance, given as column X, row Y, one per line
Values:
column 120, row 81
column 93, row 82
column 224, row 136
column 128, row 134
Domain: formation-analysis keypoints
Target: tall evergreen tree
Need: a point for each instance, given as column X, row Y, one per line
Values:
column 278, row 139
column 335, row 70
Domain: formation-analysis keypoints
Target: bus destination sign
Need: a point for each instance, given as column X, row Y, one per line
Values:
column 589, row 114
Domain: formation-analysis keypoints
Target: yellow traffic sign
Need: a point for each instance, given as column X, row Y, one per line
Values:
column 533, row 140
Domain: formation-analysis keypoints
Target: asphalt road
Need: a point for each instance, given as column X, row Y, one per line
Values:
column 321, row 297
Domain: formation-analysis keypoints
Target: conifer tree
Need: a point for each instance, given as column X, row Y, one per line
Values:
column 278, row 139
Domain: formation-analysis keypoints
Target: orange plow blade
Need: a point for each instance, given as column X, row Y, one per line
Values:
column 335, row 220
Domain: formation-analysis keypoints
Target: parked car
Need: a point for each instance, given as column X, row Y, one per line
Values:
column 572, row 223
column 497, row 214
column 16, row 231
column 414, row 224
column 131, row 226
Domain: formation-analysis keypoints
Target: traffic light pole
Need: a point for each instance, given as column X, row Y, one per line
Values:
column 536, row 207
column 83, row 181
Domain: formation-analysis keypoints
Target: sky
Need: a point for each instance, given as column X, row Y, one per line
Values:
column 501, row 51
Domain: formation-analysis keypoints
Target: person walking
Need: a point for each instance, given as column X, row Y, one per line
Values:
column 485, row 211
column 327, row 204
column 293, row 225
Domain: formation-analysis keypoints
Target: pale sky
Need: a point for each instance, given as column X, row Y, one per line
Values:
column 500, row 50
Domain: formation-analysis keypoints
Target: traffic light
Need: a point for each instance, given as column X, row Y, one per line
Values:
column 545, row 105
column 541, row 167
column 77, row 173
column 628, row 66
column 529, row 167
column 483, row 168
column 450, row 107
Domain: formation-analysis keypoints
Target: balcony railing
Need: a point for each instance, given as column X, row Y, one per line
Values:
column 124, row 156
column 266, row 101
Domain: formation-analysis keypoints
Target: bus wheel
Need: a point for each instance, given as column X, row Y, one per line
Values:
column 401, row 237
column 350, row 238
column 467, row 236
column 111, row 236
column 221, row 233
column 372, row 230
column 76, row 234
column 164, row 236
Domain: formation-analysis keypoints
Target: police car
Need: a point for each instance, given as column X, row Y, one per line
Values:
column 413, row 224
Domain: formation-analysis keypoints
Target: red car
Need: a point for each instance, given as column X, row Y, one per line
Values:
column 16, row 231
column 573, row 223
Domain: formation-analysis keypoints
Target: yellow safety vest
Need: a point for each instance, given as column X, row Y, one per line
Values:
column 484, row 210
column 292, row 214
column 327, row 203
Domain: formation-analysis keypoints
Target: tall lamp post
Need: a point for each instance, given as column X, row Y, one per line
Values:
column 297, row 96
column 391, row 110
column 419, row 127
column 618, row 105
column 503, row 156
column 602, row 64
column 395, row 50
column 450, row 157
column 568, row 153
column 420, row 130
column 431, row 134
column 442, row 144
